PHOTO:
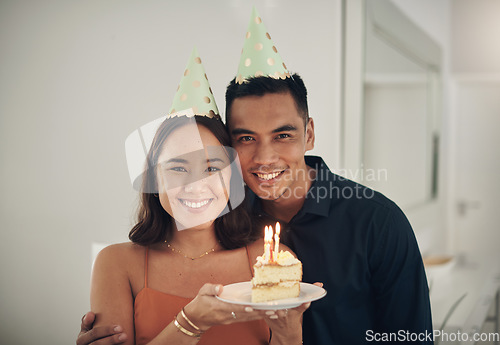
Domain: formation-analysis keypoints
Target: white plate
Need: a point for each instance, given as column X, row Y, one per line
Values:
column 241, row 293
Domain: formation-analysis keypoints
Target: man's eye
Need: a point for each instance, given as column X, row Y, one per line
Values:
column 283, row 136
column 245, row 138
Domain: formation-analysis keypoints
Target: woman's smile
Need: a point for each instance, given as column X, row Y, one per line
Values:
column 196, row 205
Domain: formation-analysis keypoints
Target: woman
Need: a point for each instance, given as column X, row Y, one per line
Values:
column 162, row 286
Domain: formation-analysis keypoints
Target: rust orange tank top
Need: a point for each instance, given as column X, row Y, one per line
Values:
column 154, row 310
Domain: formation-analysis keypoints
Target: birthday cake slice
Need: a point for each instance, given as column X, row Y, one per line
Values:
column 277, row 277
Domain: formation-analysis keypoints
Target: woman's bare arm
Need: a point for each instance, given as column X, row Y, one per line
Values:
column 111, row 297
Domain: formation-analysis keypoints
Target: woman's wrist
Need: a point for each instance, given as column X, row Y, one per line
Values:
column 192, row 319
column 185, row 317
column 184, row 330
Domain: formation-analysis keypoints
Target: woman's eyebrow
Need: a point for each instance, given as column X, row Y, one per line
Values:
column 176, row 160
column 211, row 160
column 206, row 159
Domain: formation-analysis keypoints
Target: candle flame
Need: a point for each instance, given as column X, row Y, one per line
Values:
column 271, row 255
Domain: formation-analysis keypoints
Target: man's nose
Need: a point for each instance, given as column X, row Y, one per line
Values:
column 265, row 154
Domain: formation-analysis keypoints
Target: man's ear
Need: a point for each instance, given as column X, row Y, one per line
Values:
column 310, row 134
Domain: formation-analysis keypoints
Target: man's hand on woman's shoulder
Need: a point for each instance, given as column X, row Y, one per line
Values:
column 104, row 335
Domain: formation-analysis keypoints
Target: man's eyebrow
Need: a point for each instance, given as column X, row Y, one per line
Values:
column 238, row 131
column 285, row 128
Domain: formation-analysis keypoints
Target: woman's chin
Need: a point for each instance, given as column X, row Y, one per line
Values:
column 187, row 219
column 192, row 225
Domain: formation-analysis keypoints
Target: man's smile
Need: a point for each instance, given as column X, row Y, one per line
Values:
column 268, row 176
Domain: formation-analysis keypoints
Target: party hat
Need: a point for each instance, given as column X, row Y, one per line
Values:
column 194, row 95
column 259, row 56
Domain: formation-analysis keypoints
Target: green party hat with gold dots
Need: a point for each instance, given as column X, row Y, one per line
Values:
column 194, row 95
column 259, row 56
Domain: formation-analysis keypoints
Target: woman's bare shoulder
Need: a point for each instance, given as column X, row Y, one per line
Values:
column 120, row 253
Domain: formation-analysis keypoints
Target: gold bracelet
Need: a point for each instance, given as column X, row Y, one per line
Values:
column 183, row 330
column 190, row 322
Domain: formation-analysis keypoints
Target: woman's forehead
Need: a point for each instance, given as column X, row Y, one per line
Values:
column 209, row 156
column 186, row 139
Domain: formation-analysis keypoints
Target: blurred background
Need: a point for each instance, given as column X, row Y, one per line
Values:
column 405, row 95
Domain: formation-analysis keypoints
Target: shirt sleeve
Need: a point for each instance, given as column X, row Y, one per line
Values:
column 401, row 293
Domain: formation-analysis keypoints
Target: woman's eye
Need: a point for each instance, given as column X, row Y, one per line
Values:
column 178, row 169
column 212, row 169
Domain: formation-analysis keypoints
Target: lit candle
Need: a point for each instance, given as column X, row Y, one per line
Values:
column 277, row 241
column 267, row 243
column 270, row 239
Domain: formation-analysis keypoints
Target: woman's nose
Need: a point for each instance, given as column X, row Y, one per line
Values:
column 196, row 183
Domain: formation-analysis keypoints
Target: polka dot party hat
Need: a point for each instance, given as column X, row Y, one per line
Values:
column 194, row 95
column 259, row 56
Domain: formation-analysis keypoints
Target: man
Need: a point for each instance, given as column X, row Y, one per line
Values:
column 352, row 239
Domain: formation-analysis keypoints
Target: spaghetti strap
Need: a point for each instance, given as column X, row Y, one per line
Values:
column 146, row 267
column 249, row 260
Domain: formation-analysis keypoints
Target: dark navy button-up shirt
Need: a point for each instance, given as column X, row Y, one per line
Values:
column 360, row 245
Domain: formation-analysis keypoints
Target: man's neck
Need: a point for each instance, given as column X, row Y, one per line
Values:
column 289, row 204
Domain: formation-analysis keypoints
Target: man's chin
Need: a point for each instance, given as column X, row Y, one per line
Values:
column 269, row 195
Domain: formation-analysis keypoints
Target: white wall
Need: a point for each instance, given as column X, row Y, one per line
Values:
column 427, row 220
column 393, row 114
column 468, row 31
column 75, row 79
column 475, row 80
column 475, row 32
column 434, row 18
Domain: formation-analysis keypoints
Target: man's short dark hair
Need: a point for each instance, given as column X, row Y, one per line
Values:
column 260, row 86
